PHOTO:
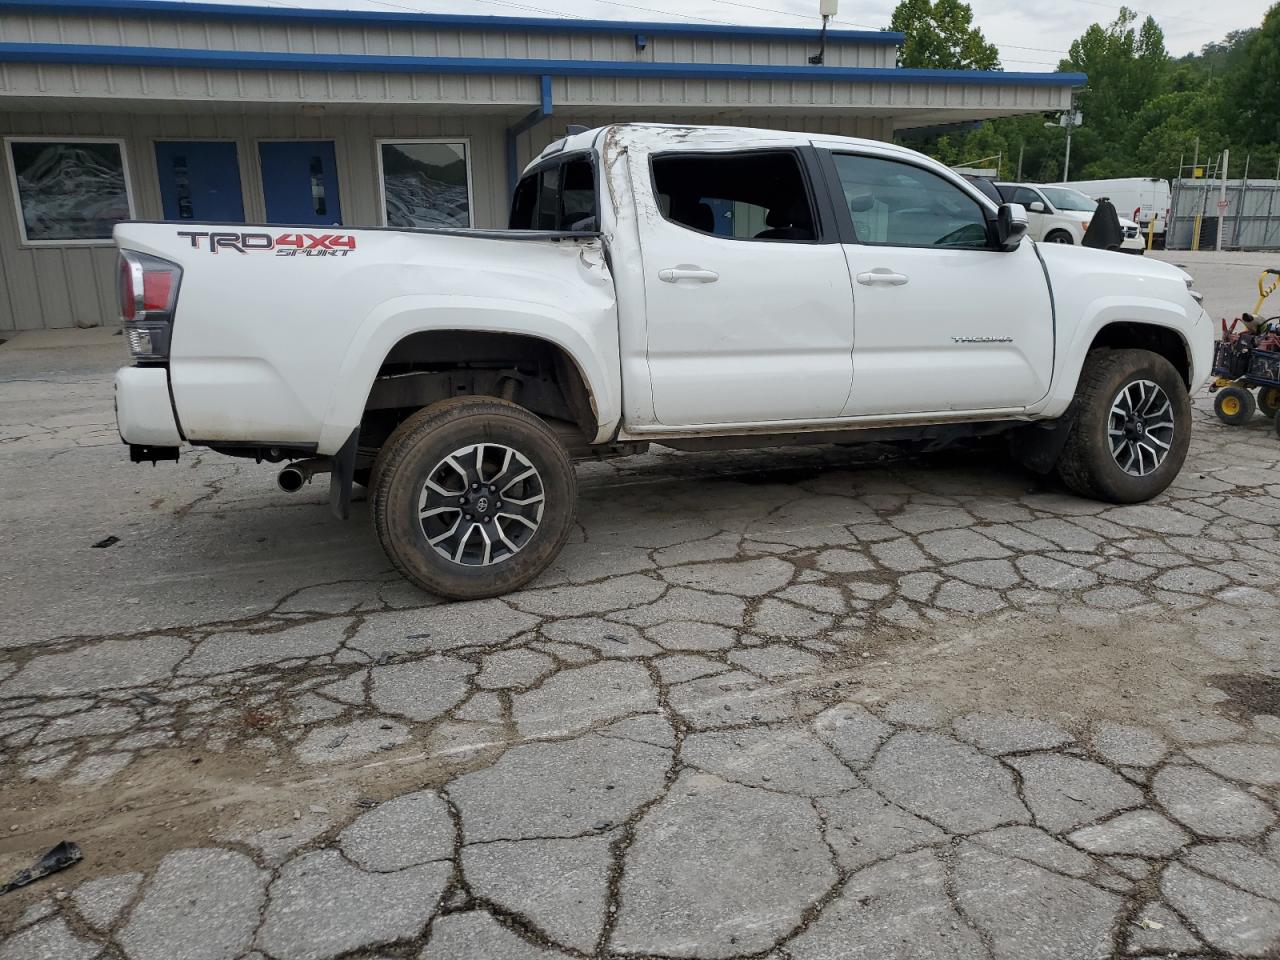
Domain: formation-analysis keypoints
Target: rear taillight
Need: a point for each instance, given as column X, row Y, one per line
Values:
column 148, row 292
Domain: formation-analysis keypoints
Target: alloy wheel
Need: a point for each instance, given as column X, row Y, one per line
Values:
column 481, row 504
column 1140, row 427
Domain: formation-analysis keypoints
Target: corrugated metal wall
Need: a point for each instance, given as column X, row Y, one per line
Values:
column 405, row 40
column 75, row 286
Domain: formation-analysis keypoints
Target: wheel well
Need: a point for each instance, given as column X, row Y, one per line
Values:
column 1145, row 336
column 437, row 364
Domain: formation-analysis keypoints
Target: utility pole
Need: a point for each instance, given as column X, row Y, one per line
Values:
column 1021, row 149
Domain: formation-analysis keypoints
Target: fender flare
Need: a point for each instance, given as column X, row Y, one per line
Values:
column 393, row 320
column 1102, row 313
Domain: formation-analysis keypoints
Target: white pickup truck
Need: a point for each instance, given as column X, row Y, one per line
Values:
column 697, row 287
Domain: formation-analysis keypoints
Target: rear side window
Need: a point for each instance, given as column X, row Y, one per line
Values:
column 744, row 196
column 560, row 197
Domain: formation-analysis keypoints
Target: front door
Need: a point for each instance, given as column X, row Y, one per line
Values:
column 199, row 180
column 944, row 321
column 749, row 310
column 300, row 182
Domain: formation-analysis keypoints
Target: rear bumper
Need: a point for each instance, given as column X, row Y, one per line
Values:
column 144, row 412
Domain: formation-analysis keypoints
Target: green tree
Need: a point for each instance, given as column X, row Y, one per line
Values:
column 1254, row 89
column 1142, row 111
column 1127, row 67
column 940, row 35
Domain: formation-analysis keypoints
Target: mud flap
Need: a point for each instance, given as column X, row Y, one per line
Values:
column 342, row 476
column 1037, row 446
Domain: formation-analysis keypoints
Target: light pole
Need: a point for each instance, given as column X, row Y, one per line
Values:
column 1069, row 120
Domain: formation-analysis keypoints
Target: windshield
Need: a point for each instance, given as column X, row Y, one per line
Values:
column 1064, row 199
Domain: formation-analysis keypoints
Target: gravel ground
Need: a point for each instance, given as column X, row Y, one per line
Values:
column 817, row 703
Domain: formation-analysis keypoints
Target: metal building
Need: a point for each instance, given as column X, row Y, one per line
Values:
column 151, row 109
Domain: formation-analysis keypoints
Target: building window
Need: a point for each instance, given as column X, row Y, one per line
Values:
column 69, row 191
column 425, row 183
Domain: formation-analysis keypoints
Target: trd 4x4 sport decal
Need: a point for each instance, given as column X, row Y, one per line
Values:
column 284, row 244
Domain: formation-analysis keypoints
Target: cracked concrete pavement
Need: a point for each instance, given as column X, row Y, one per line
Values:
column 816, row 703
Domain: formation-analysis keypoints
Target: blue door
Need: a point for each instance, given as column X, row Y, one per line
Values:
column 300, row 181
column 199, row 180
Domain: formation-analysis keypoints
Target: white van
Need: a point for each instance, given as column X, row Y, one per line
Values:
column 1141, row 199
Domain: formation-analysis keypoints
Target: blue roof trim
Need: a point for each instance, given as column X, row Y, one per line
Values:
column 222, row 11
column 364, row 63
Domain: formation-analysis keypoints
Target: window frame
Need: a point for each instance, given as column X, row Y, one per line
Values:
column 382, row 179
column 848, row 235
column 817, row 192
column 23, row 239
column 558, row 161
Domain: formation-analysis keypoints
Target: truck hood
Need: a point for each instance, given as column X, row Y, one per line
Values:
column 1067, row 263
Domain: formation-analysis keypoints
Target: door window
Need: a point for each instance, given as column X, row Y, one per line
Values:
column 1025, row 196
column 559, row 197
column 900, row 204
column 745, row 196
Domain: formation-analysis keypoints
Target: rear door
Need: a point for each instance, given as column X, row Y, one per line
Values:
column 945, row 322
column 300, row 182
column 748, row 304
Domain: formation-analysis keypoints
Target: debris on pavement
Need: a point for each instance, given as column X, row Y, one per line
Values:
column 107, row 542
column 59, row 858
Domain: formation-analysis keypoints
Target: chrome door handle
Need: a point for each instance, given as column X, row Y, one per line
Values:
column 881, row 275
column 673, row 274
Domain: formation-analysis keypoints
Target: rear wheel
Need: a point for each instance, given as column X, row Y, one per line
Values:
column 1059, row 236
column 473, row 497
column 1234, row 405
column 1131, row 430
column 1269, row 401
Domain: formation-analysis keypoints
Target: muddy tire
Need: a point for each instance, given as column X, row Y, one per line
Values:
column 1132, row 427
column 472, row 497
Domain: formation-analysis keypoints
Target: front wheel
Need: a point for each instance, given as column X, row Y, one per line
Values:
column 473, row 497
column 1131, row 430
column 1059, row 236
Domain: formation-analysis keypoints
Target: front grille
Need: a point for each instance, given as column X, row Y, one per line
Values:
column 1130, row 232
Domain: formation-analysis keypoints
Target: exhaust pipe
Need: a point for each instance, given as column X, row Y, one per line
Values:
column 292, row 478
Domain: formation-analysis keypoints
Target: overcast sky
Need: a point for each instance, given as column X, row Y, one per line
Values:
column 1031, row 34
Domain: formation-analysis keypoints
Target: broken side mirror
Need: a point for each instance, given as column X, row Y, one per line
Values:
column 1011, row 224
